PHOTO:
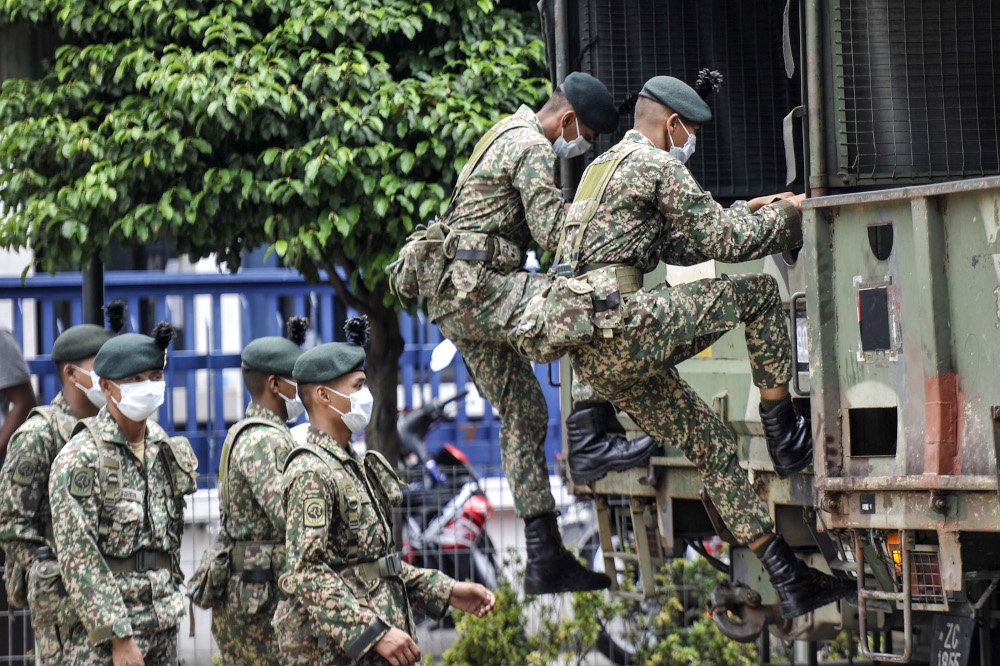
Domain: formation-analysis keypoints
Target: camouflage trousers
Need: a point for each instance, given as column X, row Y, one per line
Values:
column 635, row 370
column 247, row 638
column 478, row 325
column 159, row 649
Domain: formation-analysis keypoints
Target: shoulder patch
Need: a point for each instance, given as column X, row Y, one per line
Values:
column 81, row 483
column 24, row 470
column 281, row 457
column 314, row 512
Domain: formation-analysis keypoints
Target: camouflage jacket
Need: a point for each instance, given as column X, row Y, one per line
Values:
column 148, row 516
column 329, row 605
column 654, row 210
column 512, row 191
column 24, row 481
column 255, row 463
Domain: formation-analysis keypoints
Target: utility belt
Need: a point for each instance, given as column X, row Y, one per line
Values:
column 467, row 254
column 569, row 311
column 140, row 561
column 387, row 566
column 255, row 568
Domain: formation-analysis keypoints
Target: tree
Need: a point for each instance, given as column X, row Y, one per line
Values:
column 327, row 130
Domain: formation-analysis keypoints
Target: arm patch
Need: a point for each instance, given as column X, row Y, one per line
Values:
column 314, row 512
column 24, row 470
column 281, row 457
column 81, row 483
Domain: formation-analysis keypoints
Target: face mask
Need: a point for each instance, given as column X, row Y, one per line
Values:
column 293, row 406
column 567, row 149
column 685, row 153
column 141, row 399
column 94, row 394
column 361, row 409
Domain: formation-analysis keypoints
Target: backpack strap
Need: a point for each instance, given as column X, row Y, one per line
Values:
column 227, row 446
column 347, row 493
column 484, row 143
column 592, row 186
column 109, row 471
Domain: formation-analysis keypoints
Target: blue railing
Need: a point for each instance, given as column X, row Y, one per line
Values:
column 218, row 314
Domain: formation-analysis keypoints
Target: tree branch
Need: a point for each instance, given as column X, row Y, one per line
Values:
column 341, row 289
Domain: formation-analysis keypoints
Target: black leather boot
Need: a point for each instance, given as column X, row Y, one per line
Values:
column 800, row 587
column 789, row 439
column 596, row 446
column 551, row 568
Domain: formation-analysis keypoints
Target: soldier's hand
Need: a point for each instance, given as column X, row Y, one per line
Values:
column 124, row 652
column 397, row 648
column 755, row 204
column 797, row 200
column 472, row 598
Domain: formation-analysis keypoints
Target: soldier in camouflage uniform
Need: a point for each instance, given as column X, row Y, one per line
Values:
column 118, row 488
column 653, row 210
column 253, row 520
column 506, row 197
column 350, row 594
column 25, row 518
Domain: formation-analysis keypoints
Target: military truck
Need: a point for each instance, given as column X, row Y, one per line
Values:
column 886, row 112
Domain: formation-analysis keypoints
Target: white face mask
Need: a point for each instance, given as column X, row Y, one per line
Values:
column 141, row 399
column 568, row 149
column 293, row 406
column 361, row 409
column 685, row 153
column 94, row 394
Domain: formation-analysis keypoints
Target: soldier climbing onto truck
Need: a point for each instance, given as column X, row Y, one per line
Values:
column 467, row 267
column 637, row 205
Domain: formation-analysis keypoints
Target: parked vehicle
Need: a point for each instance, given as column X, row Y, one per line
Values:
column 444, row 524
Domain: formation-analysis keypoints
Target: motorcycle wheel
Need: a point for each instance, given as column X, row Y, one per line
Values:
column 622, row 637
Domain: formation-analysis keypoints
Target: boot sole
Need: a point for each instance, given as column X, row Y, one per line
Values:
column 814, row 603
column 613, row 466
column 785, row 472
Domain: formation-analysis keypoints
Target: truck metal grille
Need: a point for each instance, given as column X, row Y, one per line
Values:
column 915, row 90
column 626, row 42
column 925, row 580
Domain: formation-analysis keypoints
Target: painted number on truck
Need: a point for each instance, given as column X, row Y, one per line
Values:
column 951, row 640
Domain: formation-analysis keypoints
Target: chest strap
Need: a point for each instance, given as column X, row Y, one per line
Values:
column 238, row 555
column 347, row 494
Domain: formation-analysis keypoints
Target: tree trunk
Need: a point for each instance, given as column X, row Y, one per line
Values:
column 385, row 346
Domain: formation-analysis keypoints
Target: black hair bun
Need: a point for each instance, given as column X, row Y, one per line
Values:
column 708, row 83
column 296, row 328
column 115, row 311
column 163, row 333
column 357, row 329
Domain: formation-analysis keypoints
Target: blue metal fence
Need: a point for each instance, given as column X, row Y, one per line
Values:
column 203, row 372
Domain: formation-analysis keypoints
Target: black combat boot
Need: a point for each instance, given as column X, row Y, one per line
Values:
column 597, row 445
column 789, row 439
column 551, row 568
column 800, row 587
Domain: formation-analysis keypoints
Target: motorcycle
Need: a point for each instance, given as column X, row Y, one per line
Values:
column 446, row 509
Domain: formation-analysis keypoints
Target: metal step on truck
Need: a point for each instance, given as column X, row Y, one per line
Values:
column 886, row 112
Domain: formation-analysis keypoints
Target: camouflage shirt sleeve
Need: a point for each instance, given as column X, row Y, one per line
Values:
column 428, row 589
column 543, row 202
column 23, row 489
column 258, row 464
column 319, row 588
column 729, row 235
column 92, row 587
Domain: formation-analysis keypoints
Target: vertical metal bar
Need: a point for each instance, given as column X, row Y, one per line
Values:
column 191, row 376
column 93, row 293
column 646, row 573
column 604, row 531
column 815, row 77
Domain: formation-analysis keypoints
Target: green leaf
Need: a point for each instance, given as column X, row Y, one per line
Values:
column 406, row 161
column 281, row 247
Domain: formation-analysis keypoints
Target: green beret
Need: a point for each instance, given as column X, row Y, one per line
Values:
column 592, row 102
column 80, row 342
column 326, row 362
column 271, row 355
column 133, row 353
column 679, row 96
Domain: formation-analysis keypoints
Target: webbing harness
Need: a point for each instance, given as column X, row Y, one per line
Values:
column 227, row 446
column 484, row 143
column 350, row 506
column 591, row 189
